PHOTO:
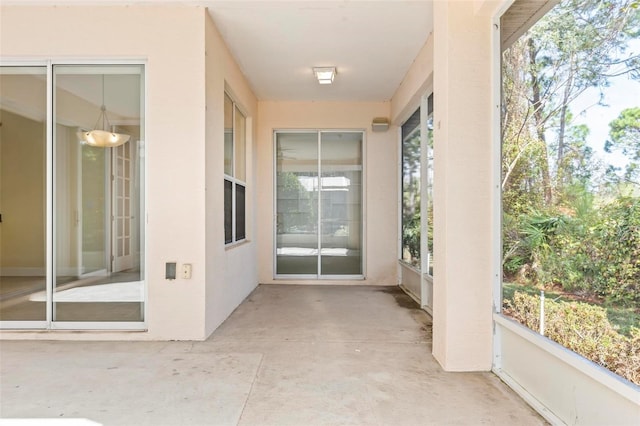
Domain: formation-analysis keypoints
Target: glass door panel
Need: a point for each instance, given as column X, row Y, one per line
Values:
column 97, row 193
column 341, row 203
column 319, row 237
column 297, row 204
column 23, row 112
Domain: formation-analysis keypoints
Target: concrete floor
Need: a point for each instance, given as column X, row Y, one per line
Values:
column 289, row 355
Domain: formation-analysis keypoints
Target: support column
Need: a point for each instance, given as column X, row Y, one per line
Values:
column 463, row 203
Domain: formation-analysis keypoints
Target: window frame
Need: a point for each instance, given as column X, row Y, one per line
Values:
column 424, row 111
column 232, row 178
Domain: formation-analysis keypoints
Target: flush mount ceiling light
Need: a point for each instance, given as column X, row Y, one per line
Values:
column 103, row 138
column 325, row 75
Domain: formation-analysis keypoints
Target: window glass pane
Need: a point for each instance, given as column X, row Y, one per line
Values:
column 571, row 182
column 297, row 203
column 23, row 193
column 411, row 190
column 228, row 211
column 429, row 189
column 341, row 203
column 240, row 145
column 97, row 193
column 240, row 213
column 228, row 135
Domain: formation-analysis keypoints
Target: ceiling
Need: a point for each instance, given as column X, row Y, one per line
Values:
column 276, row 44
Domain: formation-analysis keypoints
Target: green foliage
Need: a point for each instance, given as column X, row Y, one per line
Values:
column 411, row 238
column 624, row 136
column 618, row 258
column 596, row 253
column 582, row 328
column 570, row 222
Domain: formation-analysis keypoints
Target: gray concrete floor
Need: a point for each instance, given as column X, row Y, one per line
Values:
column 289, row 355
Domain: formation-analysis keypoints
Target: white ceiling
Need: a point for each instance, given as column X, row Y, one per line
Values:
column 276, row 43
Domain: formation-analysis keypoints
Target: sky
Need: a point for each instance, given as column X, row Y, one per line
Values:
column 621, row 94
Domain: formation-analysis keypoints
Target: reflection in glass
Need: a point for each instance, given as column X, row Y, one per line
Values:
column 241, row 232
column 341, row 203
column 228, row 135
column 239, row 144
column 301, row 176
column 97, row 195
column 297, row 203
column 23, row 99
column 411, row 226
column 429, row 191
column 228, row 211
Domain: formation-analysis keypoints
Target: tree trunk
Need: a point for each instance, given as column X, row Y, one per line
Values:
column 539, row 123
column 563, row 124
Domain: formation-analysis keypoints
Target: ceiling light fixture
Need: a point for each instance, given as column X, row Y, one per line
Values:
column 325, row 75
column 103, row 138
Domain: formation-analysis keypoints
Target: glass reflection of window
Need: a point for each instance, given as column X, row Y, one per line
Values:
column 319, row 204
column 98, row 193
column 417, row 183
column 429, row 186
column 411, row 190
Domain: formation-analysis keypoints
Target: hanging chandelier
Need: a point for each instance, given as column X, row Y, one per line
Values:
column 104, row 137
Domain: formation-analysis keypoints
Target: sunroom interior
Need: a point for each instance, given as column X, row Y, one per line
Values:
column 240, row 169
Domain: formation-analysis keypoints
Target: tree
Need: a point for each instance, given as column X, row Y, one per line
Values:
column 624, row 136
column 580, row 44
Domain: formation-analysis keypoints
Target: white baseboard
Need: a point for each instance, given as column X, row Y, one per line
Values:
column 22, row 272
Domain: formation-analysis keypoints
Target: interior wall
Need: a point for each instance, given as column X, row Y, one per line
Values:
column 22, row 195
column 381, row 181
column 231, row 271
column 175, row 133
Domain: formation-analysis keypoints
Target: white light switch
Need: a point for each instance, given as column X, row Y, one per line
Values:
column 186, row 271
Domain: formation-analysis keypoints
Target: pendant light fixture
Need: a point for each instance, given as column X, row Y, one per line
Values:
column 103, row 138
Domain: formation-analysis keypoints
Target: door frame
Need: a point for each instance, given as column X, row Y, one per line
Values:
column 363, row 207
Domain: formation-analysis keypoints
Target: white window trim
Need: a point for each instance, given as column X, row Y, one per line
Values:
column 235, row 181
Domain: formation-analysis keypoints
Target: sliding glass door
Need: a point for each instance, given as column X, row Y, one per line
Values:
column 71, row 196
column 23, row 193
column 318, row 204
column 97, row 194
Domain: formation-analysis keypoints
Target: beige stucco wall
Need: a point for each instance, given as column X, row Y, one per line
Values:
column 381, row 180
column 464, row 226
column 232, row 271
column 464, row 149
column 171, row 41
column 417, row 82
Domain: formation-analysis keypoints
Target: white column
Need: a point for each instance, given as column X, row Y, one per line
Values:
column 463, row 203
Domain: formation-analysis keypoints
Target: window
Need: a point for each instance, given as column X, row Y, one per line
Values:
column 415, row 185
column 570, row 182
column 234, row 172
column 411, row 228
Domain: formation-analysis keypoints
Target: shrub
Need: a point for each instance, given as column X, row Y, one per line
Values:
column 596, row 254
column 582, row 328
